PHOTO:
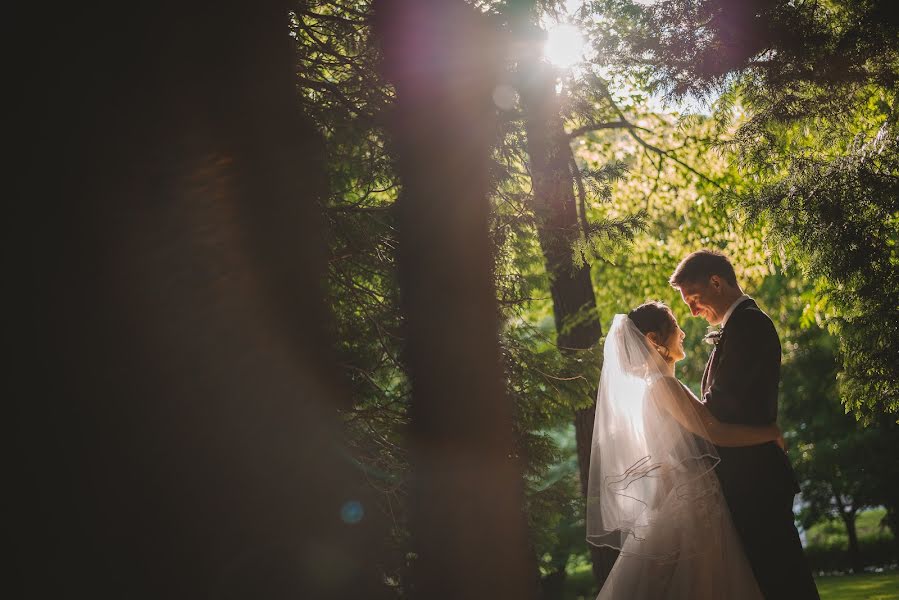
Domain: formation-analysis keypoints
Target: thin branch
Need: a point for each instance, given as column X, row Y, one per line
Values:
column 581, row 195
column 655, row 185
column 632, row 130
column 623, row 124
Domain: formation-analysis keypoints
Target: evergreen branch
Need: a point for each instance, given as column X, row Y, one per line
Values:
column 581, row 193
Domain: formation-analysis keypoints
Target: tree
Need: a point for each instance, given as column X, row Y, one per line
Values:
column 827, row 448
column 467, row 522
column 190, row 409
column 833, row 454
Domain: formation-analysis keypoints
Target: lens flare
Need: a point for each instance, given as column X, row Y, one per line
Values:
column 352, row 512
column 564, row 46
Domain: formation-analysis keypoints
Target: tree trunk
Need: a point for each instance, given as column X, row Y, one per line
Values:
column 892, row 520
column 855, row 557
column 848, row 514
column 574, row 302
column 180, row 439
column 466, row 496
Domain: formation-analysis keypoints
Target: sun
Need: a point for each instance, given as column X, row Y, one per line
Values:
column 565, row 45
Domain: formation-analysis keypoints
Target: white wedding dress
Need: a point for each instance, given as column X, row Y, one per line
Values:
column 652, row 492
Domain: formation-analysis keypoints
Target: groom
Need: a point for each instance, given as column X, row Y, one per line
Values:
column 740, row 386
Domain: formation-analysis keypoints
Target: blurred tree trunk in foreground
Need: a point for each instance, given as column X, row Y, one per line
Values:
column 179, row 436
column 467, row 520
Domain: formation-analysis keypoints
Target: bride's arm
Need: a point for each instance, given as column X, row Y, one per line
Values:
column 694, row 416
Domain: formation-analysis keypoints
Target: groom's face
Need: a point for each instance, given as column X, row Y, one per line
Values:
column 705, row 300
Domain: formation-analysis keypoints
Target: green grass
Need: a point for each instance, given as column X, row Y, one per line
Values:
column 868, row 586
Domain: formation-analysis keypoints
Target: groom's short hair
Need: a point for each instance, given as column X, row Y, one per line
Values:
column 699, row 266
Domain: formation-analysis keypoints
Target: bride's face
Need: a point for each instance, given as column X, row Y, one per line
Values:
column 672, row 349
column 675, row 343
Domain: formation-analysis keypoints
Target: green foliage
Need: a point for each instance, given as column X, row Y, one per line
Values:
column 563, row 537
column 699, row 46
column 681, row 216
column 838, row 215
column 826, row 446
column 870, row 523
column 835, row 456
column 605, row 235
column 811, row 88
column 339, row 88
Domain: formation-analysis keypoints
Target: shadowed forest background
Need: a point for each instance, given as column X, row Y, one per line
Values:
column 319, row 288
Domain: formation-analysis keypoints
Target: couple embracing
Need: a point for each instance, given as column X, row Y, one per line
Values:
column 696, row 493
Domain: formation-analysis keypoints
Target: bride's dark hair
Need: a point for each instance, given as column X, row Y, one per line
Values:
column 653, row 317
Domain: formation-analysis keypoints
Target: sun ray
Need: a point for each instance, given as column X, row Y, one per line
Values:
column 565, row 45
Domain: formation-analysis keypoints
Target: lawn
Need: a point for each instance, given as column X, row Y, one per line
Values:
column 868, row 586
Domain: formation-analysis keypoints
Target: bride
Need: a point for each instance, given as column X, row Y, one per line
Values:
column 652, row 491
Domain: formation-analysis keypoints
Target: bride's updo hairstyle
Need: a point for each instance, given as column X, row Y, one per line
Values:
column 653, row 317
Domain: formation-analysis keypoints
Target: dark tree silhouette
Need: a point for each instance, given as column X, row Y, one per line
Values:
column 178, row 437
column 466, row 497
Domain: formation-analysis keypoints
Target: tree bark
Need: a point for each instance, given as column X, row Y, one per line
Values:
column 466, row 497
column 574, row 302
column 855, row 556
column 848, row 515
column 892, row 520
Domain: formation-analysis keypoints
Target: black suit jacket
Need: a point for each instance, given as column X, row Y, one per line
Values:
column 740, row 385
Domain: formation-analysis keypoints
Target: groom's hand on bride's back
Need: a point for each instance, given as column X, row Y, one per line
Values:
column 780, row 441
